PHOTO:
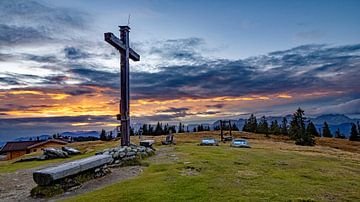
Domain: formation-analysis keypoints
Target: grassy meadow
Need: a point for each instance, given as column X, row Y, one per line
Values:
column 272, row 170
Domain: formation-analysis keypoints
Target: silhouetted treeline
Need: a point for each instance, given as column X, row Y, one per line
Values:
column 299, row 129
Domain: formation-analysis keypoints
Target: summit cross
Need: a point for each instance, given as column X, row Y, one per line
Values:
column 122, row 45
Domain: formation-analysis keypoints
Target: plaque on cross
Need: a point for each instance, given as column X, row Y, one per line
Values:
column 122, row 45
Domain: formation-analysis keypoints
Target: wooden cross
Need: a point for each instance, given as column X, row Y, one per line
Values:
column 122, row 45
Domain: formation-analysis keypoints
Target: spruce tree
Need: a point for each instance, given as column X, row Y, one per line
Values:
column 354, row 134
column 103, row 135
column 326, row 131
column 263, row 126
column 284, row 127
column 312, row 129
column 297, row 130
column 251, row 124
column 245, row 127
column 338, row 134
column 274, row 128
column 158, row 129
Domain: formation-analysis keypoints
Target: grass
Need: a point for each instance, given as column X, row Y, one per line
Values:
column 270, row 171
column 87, row 149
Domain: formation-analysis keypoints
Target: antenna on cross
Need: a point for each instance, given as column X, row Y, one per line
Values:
column 129, row 20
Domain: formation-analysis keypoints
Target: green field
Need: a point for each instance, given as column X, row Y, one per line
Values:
column 270, row 171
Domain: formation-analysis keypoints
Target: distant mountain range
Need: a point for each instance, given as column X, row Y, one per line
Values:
column 63, row 134
column 335, row 121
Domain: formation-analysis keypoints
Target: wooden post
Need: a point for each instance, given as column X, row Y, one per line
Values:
column 122, row 45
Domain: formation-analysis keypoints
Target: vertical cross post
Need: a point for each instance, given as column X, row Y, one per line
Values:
column 126, row 53
column 125, row 88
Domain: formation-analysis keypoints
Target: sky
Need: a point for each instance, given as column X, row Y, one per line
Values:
column 200, row 61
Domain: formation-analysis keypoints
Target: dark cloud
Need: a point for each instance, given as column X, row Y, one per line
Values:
column 28, row 21
column 96, row 77
column 42, row 59
column 302, row 69
column 218, row 106
column 9, row 81
column 13, row 35
column 75, row 53
column 174, row 49
column 175, row 109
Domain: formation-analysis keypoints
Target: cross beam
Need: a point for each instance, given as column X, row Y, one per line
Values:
column 122, row 45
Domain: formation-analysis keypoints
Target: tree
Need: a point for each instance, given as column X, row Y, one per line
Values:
column 338, row 134
column 233, row 127
column 181, row 128
column 263, row 126
column 144, row 129
column 172, row 129
column 103, row 135
column 250, row 124
column 312, row 129
column 274, row 128
column 159, row 129
column 284, row 127
column 326, row 131
column 297, row 130
column 354, row 134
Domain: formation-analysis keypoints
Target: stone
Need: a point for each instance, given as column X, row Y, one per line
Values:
column 117, row 161
column 49, row 175
column 55, row 153
column 70, row 151
column 116, row 155
column 131, row 154
column 122, row 154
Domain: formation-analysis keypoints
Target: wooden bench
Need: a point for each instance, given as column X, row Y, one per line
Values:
column 48, row 175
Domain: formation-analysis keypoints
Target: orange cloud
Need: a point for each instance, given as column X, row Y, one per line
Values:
column 285, row 96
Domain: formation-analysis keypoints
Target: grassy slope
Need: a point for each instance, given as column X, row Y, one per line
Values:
column 269, row 171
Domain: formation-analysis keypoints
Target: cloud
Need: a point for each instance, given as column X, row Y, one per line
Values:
column 28, row 21
column 348, row 107
column 14, row 35
column 75, row 53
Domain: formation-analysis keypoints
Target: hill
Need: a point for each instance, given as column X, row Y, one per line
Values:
column 274, row 169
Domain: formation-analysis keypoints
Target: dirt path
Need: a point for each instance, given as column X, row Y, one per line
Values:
column 16, row 186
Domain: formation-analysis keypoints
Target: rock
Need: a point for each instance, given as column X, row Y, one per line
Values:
column 117, row 161
column 70, row 151
column 55, row 153
column 116, row 155
column 131, row 154
column 122, row 154
column 128, row 158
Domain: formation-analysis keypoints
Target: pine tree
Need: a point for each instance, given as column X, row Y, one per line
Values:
column 312, row 129
column 274, row 128
column 326, row 131
column 263, row 126
column 284, row 127
column 297, row 130
column 181, row 128
column 158, row 129
column 245, row 127
column 250, row 124
column 233, row 127
column 144, row 129
column 103, row 135
column 354, row 134
column 338, row 134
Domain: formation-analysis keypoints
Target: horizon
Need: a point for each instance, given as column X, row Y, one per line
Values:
column 264, row 58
